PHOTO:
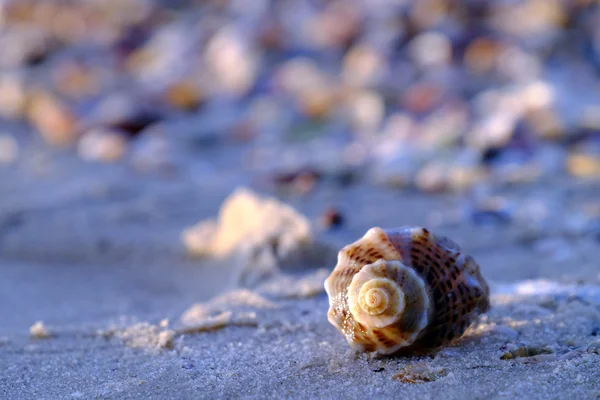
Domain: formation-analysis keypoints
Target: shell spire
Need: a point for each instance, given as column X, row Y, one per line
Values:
column 404, row 289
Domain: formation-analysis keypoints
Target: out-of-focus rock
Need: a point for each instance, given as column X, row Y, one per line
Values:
column 53, row 119
column 259, row 234
column 232, row 61
column 13, row 98
column 183, row 95
column 332, row 218
column 40, row 331
column 430, row 49
column 102, row 145
column 366, row 110
column 584, row 165
column 363, row 66
column 482, row 54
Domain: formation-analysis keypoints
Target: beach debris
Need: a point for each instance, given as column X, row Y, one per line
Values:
column 526, row 351
column 53, row 119
column 142, row 335
column 259, row 235
column 237, row 308
column 165, row 339
column 419, row 373
column 332, row 218
column 104, row 145
column 40, row 331
column 378, row 275
column 584, row 165
column 215, row 322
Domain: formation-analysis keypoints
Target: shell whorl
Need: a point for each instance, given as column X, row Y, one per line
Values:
column 379, row 294
column 404, row 288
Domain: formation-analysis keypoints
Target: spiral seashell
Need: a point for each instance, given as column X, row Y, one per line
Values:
column 404, row 289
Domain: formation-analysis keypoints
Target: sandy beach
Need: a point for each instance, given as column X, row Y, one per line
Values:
column 101, row 287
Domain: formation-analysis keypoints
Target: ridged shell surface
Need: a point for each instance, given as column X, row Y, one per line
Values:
column 404, row 289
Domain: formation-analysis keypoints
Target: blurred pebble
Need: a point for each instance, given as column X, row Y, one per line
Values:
column 583, row 165
column 183, row 95
column 232, row 62
column 102, row 145
column 366, row 111
column 14, row 97
column 430, row 49
column 332, row 218
column 40, row 331
column 53, row 119
column 363, row 66
column 526, row 351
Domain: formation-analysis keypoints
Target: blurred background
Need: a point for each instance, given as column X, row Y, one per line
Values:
column 122, row 122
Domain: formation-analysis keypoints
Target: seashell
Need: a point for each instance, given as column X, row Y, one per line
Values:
column 404, row 289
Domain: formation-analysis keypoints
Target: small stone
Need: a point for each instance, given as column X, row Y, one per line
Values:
column 583, row 165
column 183, row 95
column 54, row 121
column 232, row 61
column 103, row 145
column 430, row 49
column 14, row 97
column 526, row 351
column 40, row 331
column 332, row 218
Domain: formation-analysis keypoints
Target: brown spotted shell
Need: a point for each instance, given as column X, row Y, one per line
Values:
column 404, row 289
